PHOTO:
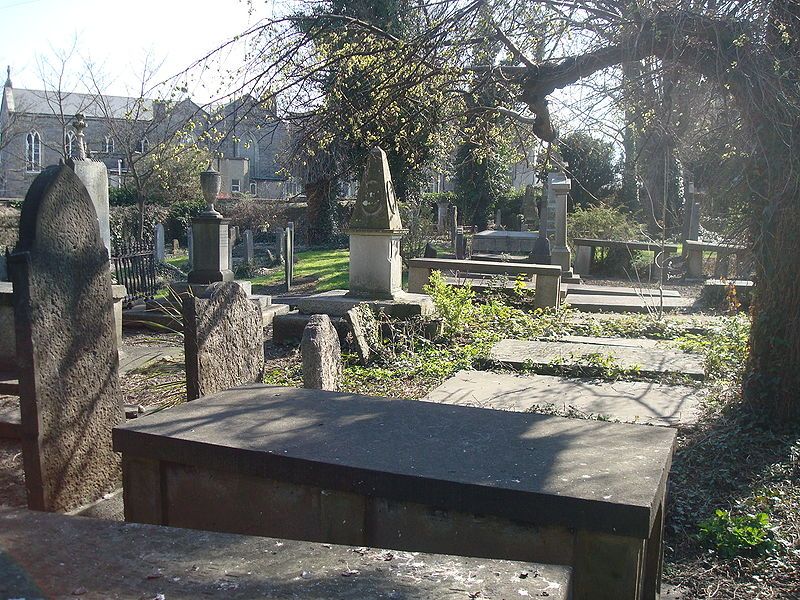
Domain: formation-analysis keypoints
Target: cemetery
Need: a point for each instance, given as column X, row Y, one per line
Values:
column 450, row 365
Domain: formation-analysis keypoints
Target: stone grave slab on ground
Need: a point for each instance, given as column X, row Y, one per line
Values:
column 625, row 303
column 629, row 401
column 585, row 352
column 54, row 556
column 409, row 475
column 611, row 290
column 223, row 340
column 66, row 345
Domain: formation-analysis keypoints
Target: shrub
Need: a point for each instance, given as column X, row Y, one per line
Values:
column 609, row 223
column 179, row 216
column 732, row 535
column 417, row 217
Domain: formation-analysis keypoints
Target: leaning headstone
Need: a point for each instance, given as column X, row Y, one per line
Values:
column 363, row 327
column 66, row 345
column 430, row 251
column 158, row 236
column 249, row 249
column 322, row 355
column 223, row 340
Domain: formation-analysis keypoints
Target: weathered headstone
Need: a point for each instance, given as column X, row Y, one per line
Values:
column 322, row 354
column 430, row 251
column 158, row 243
column 498, row 219
column 249, row 250
column 460, row 244
column 280, row 245
column 176, row 245
column 363, row 328
column 223, row 340
column 66, row 345
column 529, row 209
column 521, row 223
column 233, row 239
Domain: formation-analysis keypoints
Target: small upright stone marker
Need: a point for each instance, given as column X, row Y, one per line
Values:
column 249, row 250
column 158, row 235
column 322, row 355
column 66, row 345
column 289, row 255
column 223, row 340
column 176, row 245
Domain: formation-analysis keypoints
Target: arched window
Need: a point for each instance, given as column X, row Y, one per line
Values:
column 253, row 188
column 251, row 153
column 236, row 148
column 109, row 144
column 33, row 152
column 69, row 144
column 144, row 146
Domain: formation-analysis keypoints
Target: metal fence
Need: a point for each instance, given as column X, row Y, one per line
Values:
column 135, row 267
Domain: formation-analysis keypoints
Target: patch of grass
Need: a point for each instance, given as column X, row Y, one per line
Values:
column 181, row 262
column 329, row 268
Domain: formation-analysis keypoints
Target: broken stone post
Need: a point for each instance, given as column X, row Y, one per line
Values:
column 322, row 354
column 249, row 250
column 558, row 187
column 375, row 232
column 66, row 345
column 289, row 255
column 210, row 241
column 442, row 209
column 223, row 340
column 453, row 225
column 363, row 328
column 190, row 245
column 541, row 248
column 158, row 242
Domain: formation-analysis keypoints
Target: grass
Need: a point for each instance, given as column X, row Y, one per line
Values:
column 329, row 269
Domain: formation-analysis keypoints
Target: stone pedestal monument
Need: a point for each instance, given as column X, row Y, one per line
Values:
column 558, row 187
column 210, row 260
column 375, row 264
column 375, row 231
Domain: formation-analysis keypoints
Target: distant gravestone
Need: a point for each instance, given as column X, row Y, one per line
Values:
column 66, row 345
column 430, row 251
column 460, row 244
column 223, row 340
column 322, row 355
column 233, row 239
column 159, row 250
column 176, row 245
column 280, row 245
column 249, row 250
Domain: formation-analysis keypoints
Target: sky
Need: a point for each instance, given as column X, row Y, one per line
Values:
column 117, row 35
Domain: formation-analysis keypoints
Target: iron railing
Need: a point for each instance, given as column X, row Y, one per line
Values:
column 135, row 267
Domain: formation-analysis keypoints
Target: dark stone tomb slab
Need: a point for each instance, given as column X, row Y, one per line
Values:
column 409, row 475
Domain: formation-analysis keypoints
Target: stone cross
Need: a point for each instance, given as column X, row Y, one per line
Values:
column 158, row 244
column 322, row 355
column 66, row 345
column 223, row 340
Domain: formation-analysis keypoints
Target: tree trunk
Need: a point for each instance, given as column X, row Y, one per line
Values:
column 321, row 199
